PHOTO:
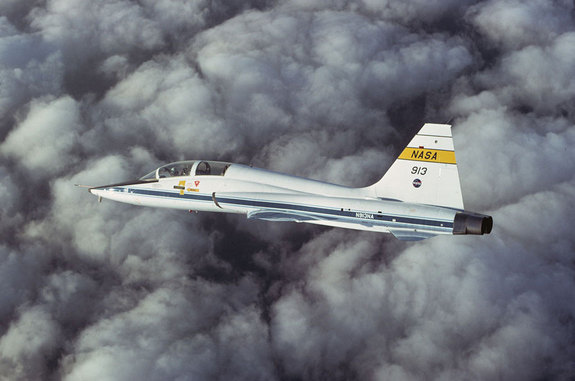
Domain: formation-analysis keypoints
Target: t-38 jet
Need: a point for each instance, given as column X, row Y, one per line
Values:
column 419, row 196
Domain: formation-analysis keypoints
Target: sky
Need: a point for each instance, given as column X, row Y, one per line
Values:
column 101, row 92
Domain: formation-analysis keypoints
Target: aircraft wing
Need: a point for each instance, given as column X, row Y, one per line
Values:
column 280, row 215
column 277, row 207
column 330, row 211
column 410, row 235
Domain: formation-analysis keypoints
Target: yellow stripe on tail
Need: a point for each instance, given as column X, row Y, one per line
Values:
column 431, row 155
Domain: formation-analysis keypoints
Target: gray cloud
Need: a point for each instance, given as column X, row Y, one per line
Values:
column 99, row 93
column 515, row 24
column 415, row 12
column 338, row 78
column 29, row 67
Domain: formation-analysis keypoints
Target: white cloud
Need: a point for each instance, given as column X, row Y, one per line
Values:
column 515, row 24
column 86, row 29
column 44, row 140
column 190, row 328
column 29, row 340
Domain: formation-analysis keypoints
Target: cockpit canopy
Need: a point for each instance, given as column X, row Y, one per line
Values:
column 189, row 168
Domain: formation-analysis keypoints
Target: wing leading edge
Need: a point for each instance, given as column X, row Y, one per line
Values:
column 283, row 216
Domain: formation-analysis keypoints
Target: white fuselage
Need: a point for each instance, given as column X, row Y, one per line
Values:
column 417, row 198
column 272, row 196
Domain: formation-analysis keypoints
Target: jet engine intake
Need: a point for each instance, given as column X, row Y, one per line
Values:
column 472, row 223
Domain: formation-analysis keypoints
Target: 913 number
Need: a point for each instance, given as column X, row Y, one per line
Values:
column 419, row 171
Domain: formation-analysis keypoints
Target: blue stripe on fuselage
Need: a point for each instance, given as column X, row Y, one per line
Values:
column 155, row 193
column 343, row 213
column 377, row 217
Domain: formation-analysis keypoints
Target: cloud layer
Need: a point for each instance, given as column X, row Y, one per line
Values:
column 96, row 93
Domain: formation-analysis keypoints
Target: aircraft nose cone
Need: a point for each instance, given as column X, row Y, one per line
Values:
column 96, row 192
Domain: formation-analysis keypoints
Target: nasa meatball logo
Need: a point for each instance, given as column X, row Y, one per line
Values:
column 417, row 183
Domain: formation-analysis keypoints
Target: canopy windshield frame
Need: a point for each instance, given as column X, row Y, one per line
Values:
column 188, row 168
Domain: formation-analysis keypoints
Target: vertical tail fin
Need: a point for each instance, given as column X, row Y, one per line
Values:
column 426, row 171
